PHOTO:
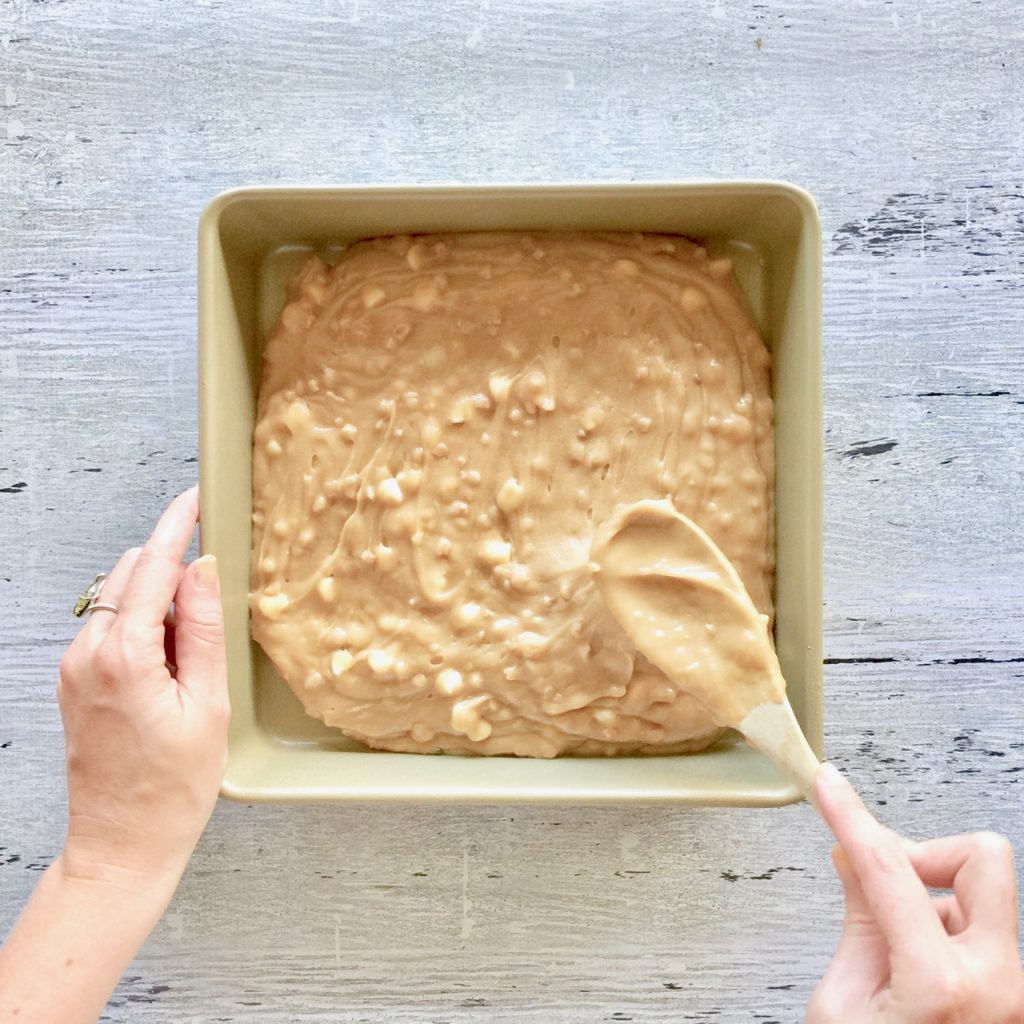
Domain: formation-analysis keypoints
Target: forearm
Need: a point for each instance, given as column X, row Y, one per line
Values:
column 71, row 946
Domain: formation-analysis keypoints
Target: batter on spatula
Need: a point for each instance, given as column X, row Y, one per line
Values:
column 686, row 609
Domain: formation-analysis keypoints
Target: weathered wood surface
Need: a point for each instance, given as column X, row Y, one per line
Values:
column 119, row 121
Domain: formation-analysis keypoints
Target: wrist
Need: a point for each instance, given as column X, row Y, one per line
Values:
column 145, row 891
column 111, row 855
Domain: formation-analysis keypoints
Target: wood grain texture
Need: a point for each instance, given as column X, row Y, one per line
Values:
column 118, row 122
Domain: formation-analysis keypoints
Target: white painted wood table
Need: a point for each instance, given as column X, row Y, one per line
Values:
column 119, row 121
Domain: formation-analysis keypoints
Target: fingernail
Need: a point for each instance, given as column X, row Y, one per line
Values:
column 205, row 569
column 829, row 774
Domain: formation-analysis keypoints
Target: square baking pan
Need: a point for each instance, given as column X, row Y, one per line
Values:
column 251, row 239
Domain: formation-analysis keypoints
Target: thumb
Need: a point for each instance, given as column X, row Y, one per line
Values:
column 199, row 630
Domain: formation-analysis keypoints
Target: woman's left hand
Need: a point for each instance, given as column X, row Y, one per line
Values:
column 143, row 696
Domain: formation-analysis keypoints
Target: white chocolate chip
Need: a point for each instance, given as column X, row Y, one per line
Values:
column 274, row 447
column 468, row 613
column 272, row 605
column 693, row 300
column 466, row 718
column 499, row 385
column 341, row 662
column 533, row 645
column 430, row 432
column 494, row 551
column 389, row 491
column 510, row 495
column 449, row 681
column 326, row 589
column 416, row 256
column 409, row 480
column 461, row 411
column 448, row 486
column 387, row 558
column 381, row 662
column 534, row 384
column 298, row 416
column 593, row 416
column 517, row 575
column 421, row 733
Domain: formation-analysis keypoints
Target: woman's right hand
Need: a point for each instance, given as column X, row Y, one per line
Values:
column 906, row 957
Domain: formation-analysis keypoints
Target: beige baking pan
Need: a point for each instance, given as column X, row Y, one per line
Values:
column 249, row 241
